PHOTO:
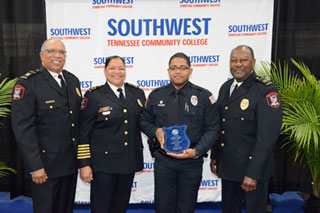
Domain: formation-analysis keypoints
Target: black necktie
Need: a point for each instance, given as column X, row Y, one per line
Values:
column 173, row 115
column 121, row 96
column 234, row 90
column 63, row 84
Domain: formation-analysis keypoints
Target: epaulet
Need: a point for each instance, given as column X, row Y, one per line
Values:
column 131, row 85
column 199, row 88
column 161, row 88
column 70, row 73
column 195, row 86
column 29, row 74
column 94, row 88
column 263, row 80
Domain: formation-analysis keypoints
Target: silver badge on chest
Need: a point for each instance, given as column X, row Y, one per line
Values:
column 194, row 100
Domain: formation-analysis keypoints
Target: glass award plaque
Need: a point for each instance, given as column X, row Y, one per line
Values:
column 176, row 139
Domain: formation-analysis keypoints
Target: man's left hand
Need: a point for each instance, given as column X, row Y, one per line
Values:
column 188, row 153
column 249, row 184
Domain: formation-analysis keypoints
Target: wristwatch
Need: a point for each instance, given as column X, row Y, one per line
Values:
column 195, row 152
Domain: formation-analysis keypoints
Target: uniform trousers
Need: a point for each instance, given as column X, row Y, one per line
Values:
column 110, row 192
column 233, row 197
column 56, row 195
column 176, row 183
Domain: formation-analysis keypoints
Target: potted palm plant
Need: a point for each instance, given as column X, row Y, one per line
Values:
column 5, row 101
column 300, row 96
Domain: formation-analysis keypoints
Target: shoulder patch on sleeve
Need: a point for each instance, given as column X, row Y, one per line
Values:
column 18, row 92
column 84, row 103
column 29, row 74
column 273, row 100
column 212, row 99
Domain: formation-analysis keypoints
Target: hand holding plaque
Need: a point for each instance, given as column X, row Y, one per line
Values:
column 176, row 139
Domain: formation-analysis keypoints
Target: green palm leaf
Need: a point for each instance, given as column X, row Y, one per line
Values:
column 5, row 96
column 5, row 101
column 300, row 98
column 5, row 170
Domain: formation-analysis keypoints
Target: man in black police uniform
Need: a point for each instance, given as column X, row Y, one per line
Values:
column 45, row 109
column 178, row 176
column 251, row 114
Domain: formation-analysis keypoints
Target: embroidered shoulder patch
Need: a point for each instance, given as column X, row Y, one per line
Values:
column 84, row 103
column 273, row 99
column 18, row 92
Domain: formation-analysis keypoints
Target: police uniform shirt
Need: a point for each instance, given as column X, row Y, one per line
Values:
column 45, row 122
column 250, row 127
column 234, row 86
column 56, row 77
column 110, row 137
column 115, row 90
column 197, row 110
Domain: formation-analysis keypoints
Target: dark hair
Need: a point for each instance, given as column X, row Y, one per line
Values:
column 245, row 46
column 180, row 55
column 113, row 57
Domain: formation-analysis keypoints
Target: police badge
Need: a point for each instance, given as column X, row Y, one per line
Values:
column 244, row 104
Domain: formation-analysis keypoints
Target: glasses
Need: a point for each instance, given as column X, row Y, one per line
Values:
column 53, row 51
column 242, row 61
column 182, row 68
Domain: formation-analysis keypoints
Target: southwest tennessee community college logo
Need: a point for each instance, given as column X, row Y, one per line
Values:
column 134, row 186
column 210, row 184
column 100, row 4
column 248, row 29
column 99, row 62
column 70, row 33
column 148, row 167
column 193, row 30
column 149, row 85
column 199, row 3
column 85, row 85
column 205, row 60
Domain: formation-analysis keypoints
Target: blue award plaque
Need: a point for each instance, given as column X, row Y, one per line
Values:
column 176, row 139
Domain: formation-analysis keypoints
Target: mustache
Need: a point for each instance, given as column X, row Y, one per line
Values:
column 235, row 70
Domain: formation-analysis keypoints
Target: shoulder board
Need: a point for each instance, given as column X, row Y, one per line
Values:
column 131, row 85
column 94, row 88
column 198, row 87
column 161, row 88
column 263, row 80
column 69, row 73
column 29, row 74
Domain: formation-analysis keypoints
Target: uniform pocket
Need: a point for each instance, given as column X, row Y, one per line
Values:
column 51, row 104
column 247, row 121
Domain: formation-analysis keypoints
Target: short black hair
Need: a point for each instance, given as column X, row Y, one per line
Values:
column 113, row 57
column 180, row 55
column 246, row 46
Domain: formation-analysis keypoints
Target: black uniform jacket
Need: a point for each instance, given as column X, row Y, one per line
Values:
column 198, row 108
column 45, row 122
column 110, row 134
column 250, row 126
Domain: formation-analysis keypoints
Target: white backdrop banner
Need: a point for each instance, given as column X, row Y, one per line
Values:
column 146, row 34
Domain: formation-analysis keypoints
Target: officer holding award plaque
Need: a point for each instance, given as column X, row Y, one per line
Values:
column 182, row 118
